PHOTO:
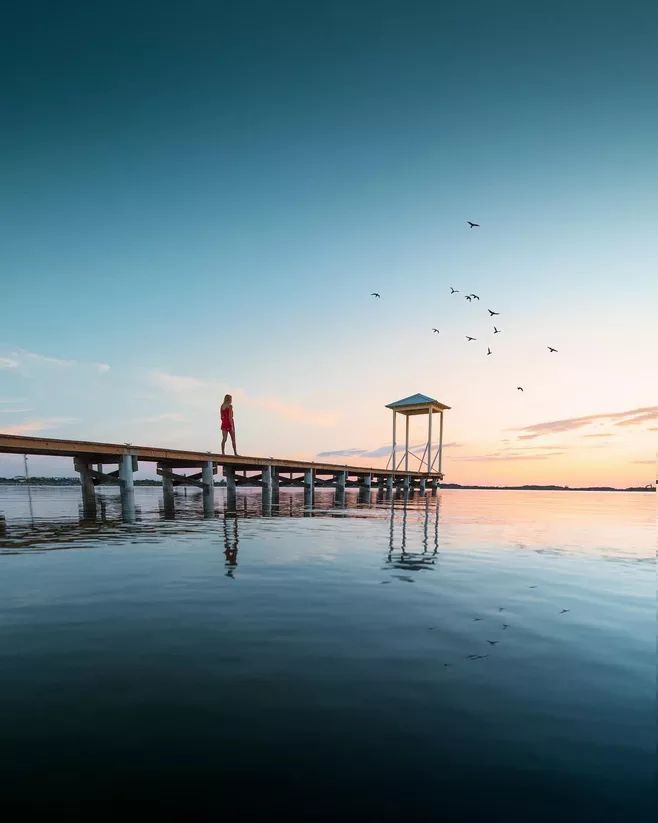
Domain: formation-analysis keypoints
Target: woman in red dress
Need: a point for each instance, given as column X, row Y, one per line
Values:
column 228, row 424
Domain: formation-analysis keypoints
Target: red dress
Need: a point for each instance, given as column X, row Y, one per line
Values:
column 225, row 414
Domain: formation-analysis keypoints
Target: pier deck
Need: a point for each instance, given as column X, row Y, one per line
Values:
column 269, row 473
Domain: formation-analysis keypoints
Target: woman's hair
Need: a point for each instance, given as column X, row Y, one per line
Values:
column 227, row 398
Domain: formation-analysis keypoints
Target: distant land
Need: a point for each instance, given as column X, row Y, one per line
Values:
column 74, row 481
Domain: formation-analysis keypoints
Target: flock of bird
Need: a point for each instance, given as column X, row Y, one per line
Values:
column 470, row 298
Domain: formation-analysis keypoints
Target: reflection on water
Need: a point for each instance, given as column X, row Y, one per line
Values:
column 177, row 662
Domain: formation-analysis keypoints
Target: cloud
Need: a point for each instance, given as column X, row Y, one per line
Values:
column 645, row 462
column 34, row 426
column 174, row 417
column 495, row 458
column 381, row 451
column 14, row 411
column 647, row 417
column 625, row 418
column 292, row 411
column 23, row 359
column 654, row 429
column 202, row 392
column 43, row 359
column 600, row 434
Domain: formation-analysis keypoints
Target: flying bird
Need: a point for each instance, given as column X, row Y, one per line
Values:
column 469, row 298
column 471, row 338
column 375, row 294
column 496, row 331
column 454, row 291
column 488, row 350
column 473, row 225
column 492, row 313
column 564, row 611
column 550, row 348
column 436, row 331
column 519, row 388
column 493, row 642
column 475, row 296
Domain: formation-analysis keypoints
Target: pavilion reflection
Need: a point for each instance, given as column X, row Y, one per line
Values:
column 399, row 555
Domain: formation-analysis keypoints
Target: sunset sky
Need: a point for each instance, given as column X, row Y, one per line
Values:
column 200, row 197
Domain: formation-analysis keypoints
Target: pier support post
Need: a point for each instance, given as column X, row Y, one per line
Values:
column 389, row 484
column 229, row 474
column 267, row 490
column 341, row 484
column 406, row 483
column 434, row 485
column 208, row 480
column 127, row 465
column 275, row 485
column 309, row 476
column 422, row 485
column 167, row 489
column 87, row 484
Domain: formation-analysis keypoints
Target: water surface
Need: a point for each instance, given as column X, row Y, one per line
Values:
column 479, row 655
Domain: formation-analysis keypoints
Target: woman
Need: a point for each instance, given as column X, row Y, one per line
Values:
column 228, row 424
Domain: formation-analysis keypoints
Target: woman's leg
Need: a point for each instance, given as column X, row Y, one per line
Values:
column 235, row 451
column 224, row 436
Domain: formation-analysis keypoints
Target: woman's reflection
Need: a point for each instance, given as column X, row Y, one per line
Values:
column 231, row 540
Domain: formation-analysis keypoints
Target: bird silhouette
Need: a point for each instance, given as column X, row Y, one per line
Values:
column 493, row 642
column 492, row 313
column 454, row 291
column 473, row 225
column 475, row 296
column 471, row 338
column 469, row 298
column 550, row 348
column 375, row 294
column 488, row 350
column 476, row 619
column 476, row 656
column 564, row 611
column 519, row 388
column 436, row 331
column 496, row 331
column 505, row 626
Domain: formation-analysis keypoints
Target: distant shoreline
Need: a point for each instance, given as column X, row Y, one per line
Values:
column 74, row 481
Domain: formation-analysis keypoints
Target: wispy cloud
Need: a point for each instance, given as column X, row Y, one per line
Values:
column 204, row 392
column 503, row 458
column 646, row 462
column 599, row 434
column 35, row 426
column 380, row 451
column 24, row 359
column 171, row 417
column 292, row 411
column 11, row 410
column 625, row 418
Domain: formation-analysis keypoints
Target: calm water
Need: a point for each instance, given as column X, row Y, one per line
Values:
column 382, row 661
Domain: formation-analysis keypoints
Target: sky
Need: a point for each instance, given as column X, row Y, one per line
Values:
column 199, row 198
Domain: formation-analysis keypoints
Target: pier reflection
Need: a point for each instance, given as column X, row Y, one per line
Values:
column 29, row 526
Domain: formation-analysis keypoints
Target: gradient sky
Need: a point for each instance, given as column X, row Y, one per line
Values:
column 199, row 197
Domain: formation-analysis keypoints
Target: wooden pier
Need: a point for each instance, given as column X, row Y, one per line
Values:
column 95, row 464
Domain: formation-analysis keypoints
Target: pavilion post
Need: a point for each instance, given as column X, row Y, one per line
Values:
column 429, row 441
column 440, row 441
column 406, row 443
column 393, row 455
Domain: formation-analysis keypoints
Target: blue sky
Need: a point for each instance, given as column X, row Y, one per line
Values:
column 202, row 196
